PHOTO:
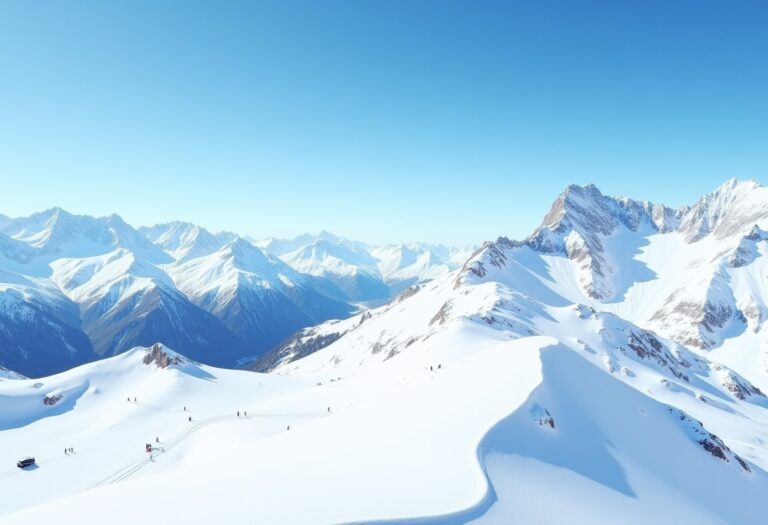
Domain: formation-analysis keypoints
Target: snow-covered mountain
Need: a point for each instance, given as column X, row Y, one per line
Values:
column 257, row 296
column 695, row 275
column 184, row 240
column 366, row 272
column 75, row 288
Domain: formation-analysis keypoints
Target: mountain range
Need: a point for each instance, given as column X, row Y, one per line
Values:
column 611, row 367
column 76, row 288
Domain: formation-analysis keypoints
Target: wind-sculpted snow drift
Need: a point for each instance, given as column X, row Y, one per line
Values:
column 609, row 369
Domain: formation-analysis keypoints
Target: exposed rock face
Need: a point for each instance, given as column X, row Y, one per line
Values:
column 301, row 344
column 588, row 228
column 52, row 399
column 408, row 292
column 696, row 317
column 707, row 440
column 645, row 346
column 442, row 315
column 578, row 221
column 736, row 385
column 542, row 417
column 727, row 211
column 574, row 227
column 490, row 254
column 161, row 358
column 746, row 251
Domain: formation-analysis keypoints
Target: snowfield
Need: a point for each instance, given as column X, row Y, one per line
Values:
column 505, row 431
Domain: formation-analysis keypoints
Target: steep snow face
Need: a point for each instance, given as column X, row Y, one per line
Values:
column 125, row 301
column 728, row 212
column 39, row 327
column 693, row 276
column 258, row 297
column 579, row 223
column 183, row 240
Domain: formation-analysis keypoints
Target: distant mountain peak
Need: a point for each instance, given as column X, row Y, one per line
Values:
column 735, row 206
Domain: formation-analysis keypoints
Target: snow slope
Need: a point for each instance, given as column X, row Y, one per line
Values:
column 520, row 438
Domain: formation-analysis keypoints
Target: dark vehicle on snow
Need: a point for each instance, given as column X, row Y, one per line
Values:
column 25, row 462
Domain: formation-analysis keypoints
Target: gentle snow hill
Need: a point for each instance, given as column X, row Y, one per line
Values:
column 87, row 408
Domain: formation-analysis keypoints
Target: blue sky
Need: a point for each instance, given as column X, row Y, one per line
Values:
column 382, row 121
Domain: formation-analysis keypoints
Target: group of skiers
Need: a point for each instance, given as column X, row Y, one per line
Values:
column 69, row 450
column 148, row 446
column 432, row 368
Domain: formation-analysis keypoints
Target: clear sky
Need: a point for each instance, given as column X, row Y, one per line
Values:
column 382, row 121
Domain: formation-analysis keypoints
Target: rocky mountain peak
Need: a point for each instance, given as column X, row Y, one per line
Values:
column 733, row 208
